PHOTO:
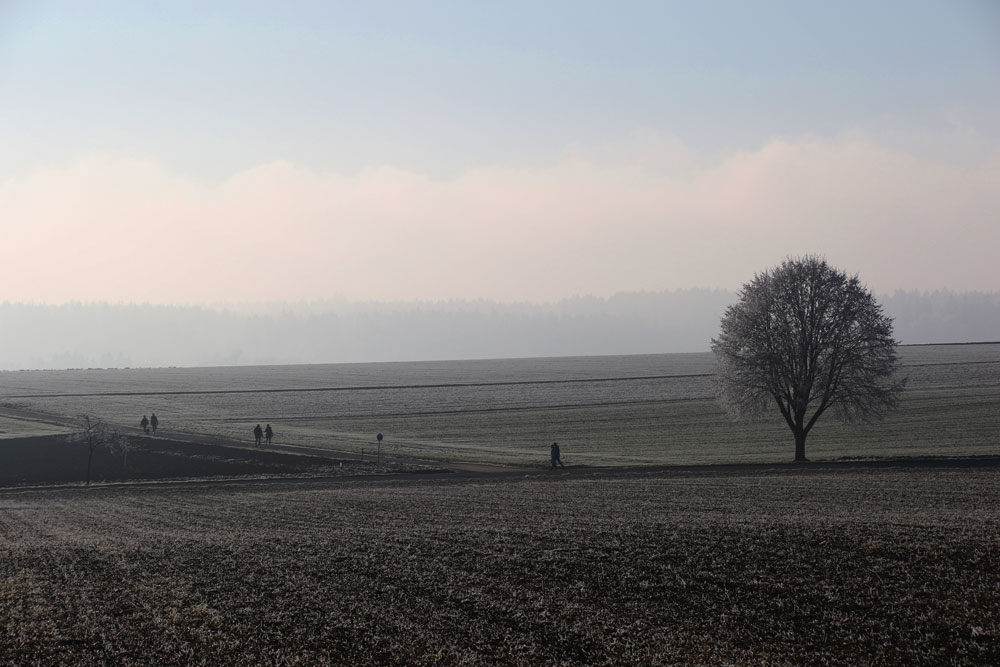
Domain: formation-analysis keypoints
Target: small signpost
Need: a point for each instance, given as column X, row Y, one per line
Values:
column 379, row 438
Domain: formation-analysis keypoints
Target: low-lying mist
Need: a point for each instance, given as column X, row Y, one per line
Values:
column 101, row 335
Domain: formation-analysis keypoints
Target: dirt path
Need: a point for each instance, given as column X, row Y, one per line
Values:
column 199, row 438
column 453, row 475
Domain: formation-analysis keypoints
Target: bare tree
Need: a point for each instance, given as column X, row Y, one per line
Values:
column 806, row 338
column 122, row 445
column 94, row 433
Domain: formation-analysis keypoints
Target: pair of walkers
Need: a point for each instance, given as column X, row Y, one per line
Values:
column 259, row 433
column 147, row 424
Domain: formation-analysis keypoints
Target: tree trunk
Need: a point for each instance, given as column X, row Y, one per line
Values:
column 800, row 445
column 90, row 457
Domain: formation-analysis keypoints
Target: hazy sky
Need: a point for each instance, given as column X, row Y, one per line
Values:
column 243, row 151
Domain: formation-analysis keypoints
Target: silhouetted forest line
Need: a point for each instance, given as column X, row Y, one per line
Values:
column 102, row 335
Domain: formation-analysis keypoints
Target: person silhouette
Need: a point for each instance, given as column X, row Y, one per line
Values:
column 154, row 422
column 268, row 433
column 554, row 451
column 257, row 433
column 144, row 424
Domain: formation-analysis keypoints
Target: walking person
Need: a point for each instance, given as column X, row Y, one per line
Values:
column 268, row 433
column 554, row 451
column 257, row 433
column 144, row 424
column 154, row 422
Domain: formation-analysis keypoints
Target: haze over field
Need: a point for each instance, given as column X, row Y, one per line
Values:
column 515, row 152
column 143, row 335
column 382, row 332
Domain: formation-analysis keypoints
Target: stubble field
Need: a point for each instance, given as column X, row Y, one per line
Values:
column 779, row 565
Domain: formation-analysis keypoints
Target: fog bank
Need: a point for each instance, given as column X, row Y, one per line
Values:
column 140, row 335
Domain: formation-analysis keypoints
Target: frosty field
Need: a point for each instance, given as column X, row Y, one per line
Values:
column 652, row 409
column 295, row 559
column 784, row 565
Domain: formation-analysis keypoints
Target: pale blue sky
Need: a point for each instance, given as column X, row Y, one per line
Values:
column 209, row 88
column 738, row 94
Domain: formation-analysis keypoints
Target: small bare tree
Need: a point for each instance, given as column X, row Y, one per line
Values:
column 122, row 446
column 94, row 433
column 806, row 338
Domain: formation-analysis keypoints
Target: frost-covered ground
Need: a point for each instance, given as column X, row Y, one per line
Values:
column 621, row 411
column 793, row 565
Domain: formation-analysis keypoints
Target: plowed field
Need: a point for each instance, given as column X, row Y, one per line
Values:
column 779, row 565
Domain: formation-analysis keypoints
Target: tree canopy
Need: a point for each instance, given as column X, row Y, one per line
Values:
column 806, row 338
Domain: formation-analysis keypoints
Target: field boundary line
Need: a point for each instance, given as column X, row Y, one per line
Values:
column 951, row 363
column 287, row 390
column 533, row 408
column 441, row 385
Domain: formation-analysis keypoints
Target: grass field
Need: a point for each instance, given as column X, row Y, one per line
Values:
column 792, row 565
column 654, row 409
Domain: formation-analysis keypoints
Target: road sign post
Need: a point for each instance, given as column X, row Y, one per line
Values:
column 379, row 438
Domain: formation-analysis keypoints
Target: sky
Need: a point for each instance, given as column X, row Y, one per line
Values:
column 519, row 151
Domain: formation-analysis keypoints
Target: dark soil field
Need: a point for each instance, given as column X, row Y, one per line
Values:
column 817, row 564
column 54, row 460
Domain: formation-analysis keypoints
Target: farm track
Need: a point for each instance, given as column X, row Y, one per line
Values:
column 32, row 415
column 306, row 482
column 454, row 467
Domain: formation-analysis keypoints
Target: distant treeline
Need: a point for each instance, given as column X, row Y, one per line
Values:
column 102, row 335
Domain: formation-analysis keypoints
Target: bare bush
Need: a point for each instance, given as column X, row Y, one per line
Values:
column 95, row 432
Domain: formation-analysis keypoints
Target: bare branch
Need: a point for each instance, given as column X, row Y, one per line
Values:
column 94, row 433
